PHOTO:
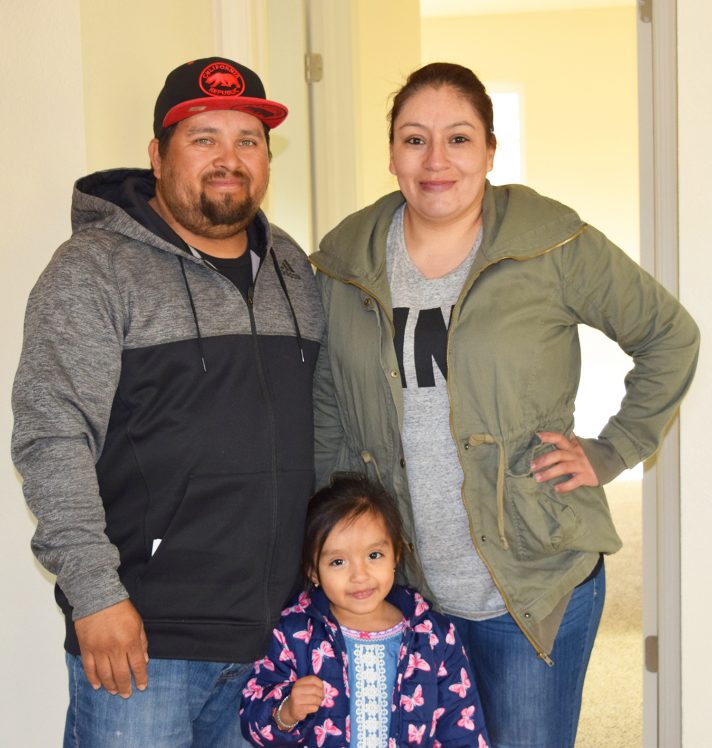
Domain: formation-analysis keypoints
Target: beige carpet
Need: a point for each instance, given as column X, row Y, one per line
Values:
column 612, row 713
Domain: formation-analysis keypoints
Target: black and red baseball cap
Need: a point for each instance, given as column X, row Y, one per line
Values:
column 209, row 84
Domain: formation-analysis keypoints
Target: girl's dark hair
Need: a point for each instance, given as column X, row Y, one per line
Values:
column 348, row 496
column 437, row 75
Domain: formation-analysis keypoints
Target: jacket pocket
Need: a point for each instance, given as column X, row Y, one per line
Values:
column 211, row 561
column 543, row 523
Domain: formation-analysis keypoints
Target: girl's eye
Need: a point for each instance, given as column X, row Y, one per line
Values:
column 337, row 562
column 373, row 555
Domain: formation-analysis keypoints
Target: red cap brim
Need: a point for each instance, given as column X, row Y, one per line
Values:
column 269, row 112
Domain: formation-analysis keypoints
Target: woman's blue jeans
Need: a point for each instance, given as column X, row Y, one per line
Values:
column 526, row 703
column 187, row 703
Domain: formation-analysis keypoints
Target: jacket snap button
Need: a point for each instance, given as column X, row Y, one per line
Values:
column 527, row 615
column 467, row 445
column 394, row 373
column 367, row 301
column 402, row 462
column 484, row 538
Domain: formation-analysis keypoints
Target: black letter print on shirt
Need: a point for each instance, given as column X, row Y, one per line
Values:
column 429, row 344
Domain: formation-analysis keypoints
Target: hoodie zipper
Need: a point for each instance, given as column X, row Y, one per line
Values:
column 272, row 433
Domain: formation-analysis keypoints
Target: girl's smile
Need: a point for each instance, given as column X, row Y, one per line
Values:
column 356, row 569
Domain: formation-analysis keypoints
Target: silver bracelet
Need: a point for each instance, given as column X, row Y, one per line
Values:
column 277, row 714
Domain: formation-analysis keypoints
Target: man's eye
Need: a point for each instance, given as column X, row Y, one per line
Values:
column 203, row 141
column 247, row 143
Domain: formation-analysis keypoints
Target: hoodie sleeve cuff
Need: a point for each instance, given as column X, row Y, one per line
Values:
column 605, row 461
column 93, row 592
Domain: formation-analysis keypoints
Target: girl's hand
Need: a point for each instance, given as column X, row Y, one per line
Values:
column 305, row 698
column 567, row 459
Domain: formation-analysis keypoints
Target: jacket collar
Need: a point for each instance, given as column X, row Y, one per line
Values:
column 518, row 223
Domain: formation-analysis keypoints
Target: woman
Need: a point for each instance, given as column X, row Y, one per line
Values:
column 450, row 373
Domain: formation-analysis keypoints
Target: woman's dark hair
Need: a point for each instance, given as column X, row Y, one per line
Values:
column 437, row 75
column 347, row 497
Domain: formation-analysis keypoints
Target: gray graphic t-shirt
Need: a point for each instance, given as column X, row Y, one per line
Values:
column 421, row 309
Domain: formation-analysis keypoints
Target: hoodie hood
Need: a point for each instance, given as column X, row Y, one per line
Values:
column 117, row 200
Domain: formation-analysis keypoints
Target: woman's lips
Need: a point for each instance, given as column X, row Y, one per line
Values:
column 439, row 186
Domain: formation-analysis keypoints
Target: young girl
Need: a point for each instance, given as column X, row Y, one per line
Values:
column 358, row 660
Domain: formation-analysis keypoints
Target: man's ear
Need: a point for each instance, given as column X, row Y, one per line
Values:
column 155, row 156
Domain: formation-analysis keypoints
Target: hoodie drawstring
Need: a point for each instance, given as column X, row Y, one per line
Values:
column 282, row 283
column 289, row 301
column 195, row 314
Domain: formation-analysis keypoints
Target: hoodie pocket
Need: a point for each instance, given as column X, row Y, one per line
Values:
column 213, row 557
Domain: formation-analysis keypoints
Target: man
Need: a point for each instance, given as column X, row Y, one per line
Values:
column 163, row 420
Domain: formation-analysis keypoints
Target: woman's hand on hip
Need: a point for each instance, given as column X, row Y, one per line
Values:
column 567, row 459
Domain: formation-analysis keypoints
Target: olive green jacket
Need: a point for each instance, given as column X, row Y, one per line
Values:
column 513, row 370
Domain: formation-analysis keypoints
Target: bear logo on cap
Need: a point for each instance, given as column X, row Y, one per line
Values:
column 221, row 79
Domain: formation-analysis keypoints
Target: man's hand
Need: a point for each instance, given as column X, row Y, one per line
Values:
column 113, row 645
column 567, row 459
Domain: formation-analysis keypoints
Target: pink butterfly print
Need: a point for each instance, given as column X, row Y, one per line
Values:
column 415, row 734
column 481, row 742
column 275, row 693
column 409, row 703
column 286, row 653
column 255, row 737
column 266, row 733
column 300, row 606
column 392, row 743
column 317, row 656
column 329, row 693
column 265, row 663
column 436, row 716
column 437, row 744
column 450, row 638
column 348, row 729
column 442, row 670
column 323, row 731
column 421, row 606
column 416, row 662
column 252, row 690
column 466, row 718
column 463, row 686
column 427, row 628
column 306, row 634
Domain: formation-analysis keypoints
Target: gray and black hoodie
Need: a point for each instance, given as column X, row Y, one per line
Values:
column 163, row 425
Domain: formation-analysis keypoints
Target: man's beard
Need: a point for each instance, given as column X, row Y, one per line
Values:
column 226, row 211
column 215, row 218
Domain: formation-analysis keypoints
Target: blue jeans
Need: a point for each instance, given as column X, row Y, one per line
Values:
column 526, row 703
column 187, row 703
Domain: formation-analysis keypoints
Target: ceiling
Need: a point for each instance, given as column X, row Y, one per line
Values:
column 477, row 7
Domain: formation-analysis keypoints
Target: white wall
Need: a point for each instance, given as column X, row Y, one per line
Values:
column 695, row 170
column 42, row 136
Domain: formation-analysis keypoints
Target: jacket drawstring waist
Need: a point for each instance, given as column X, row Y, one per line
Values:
column 476, row 440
